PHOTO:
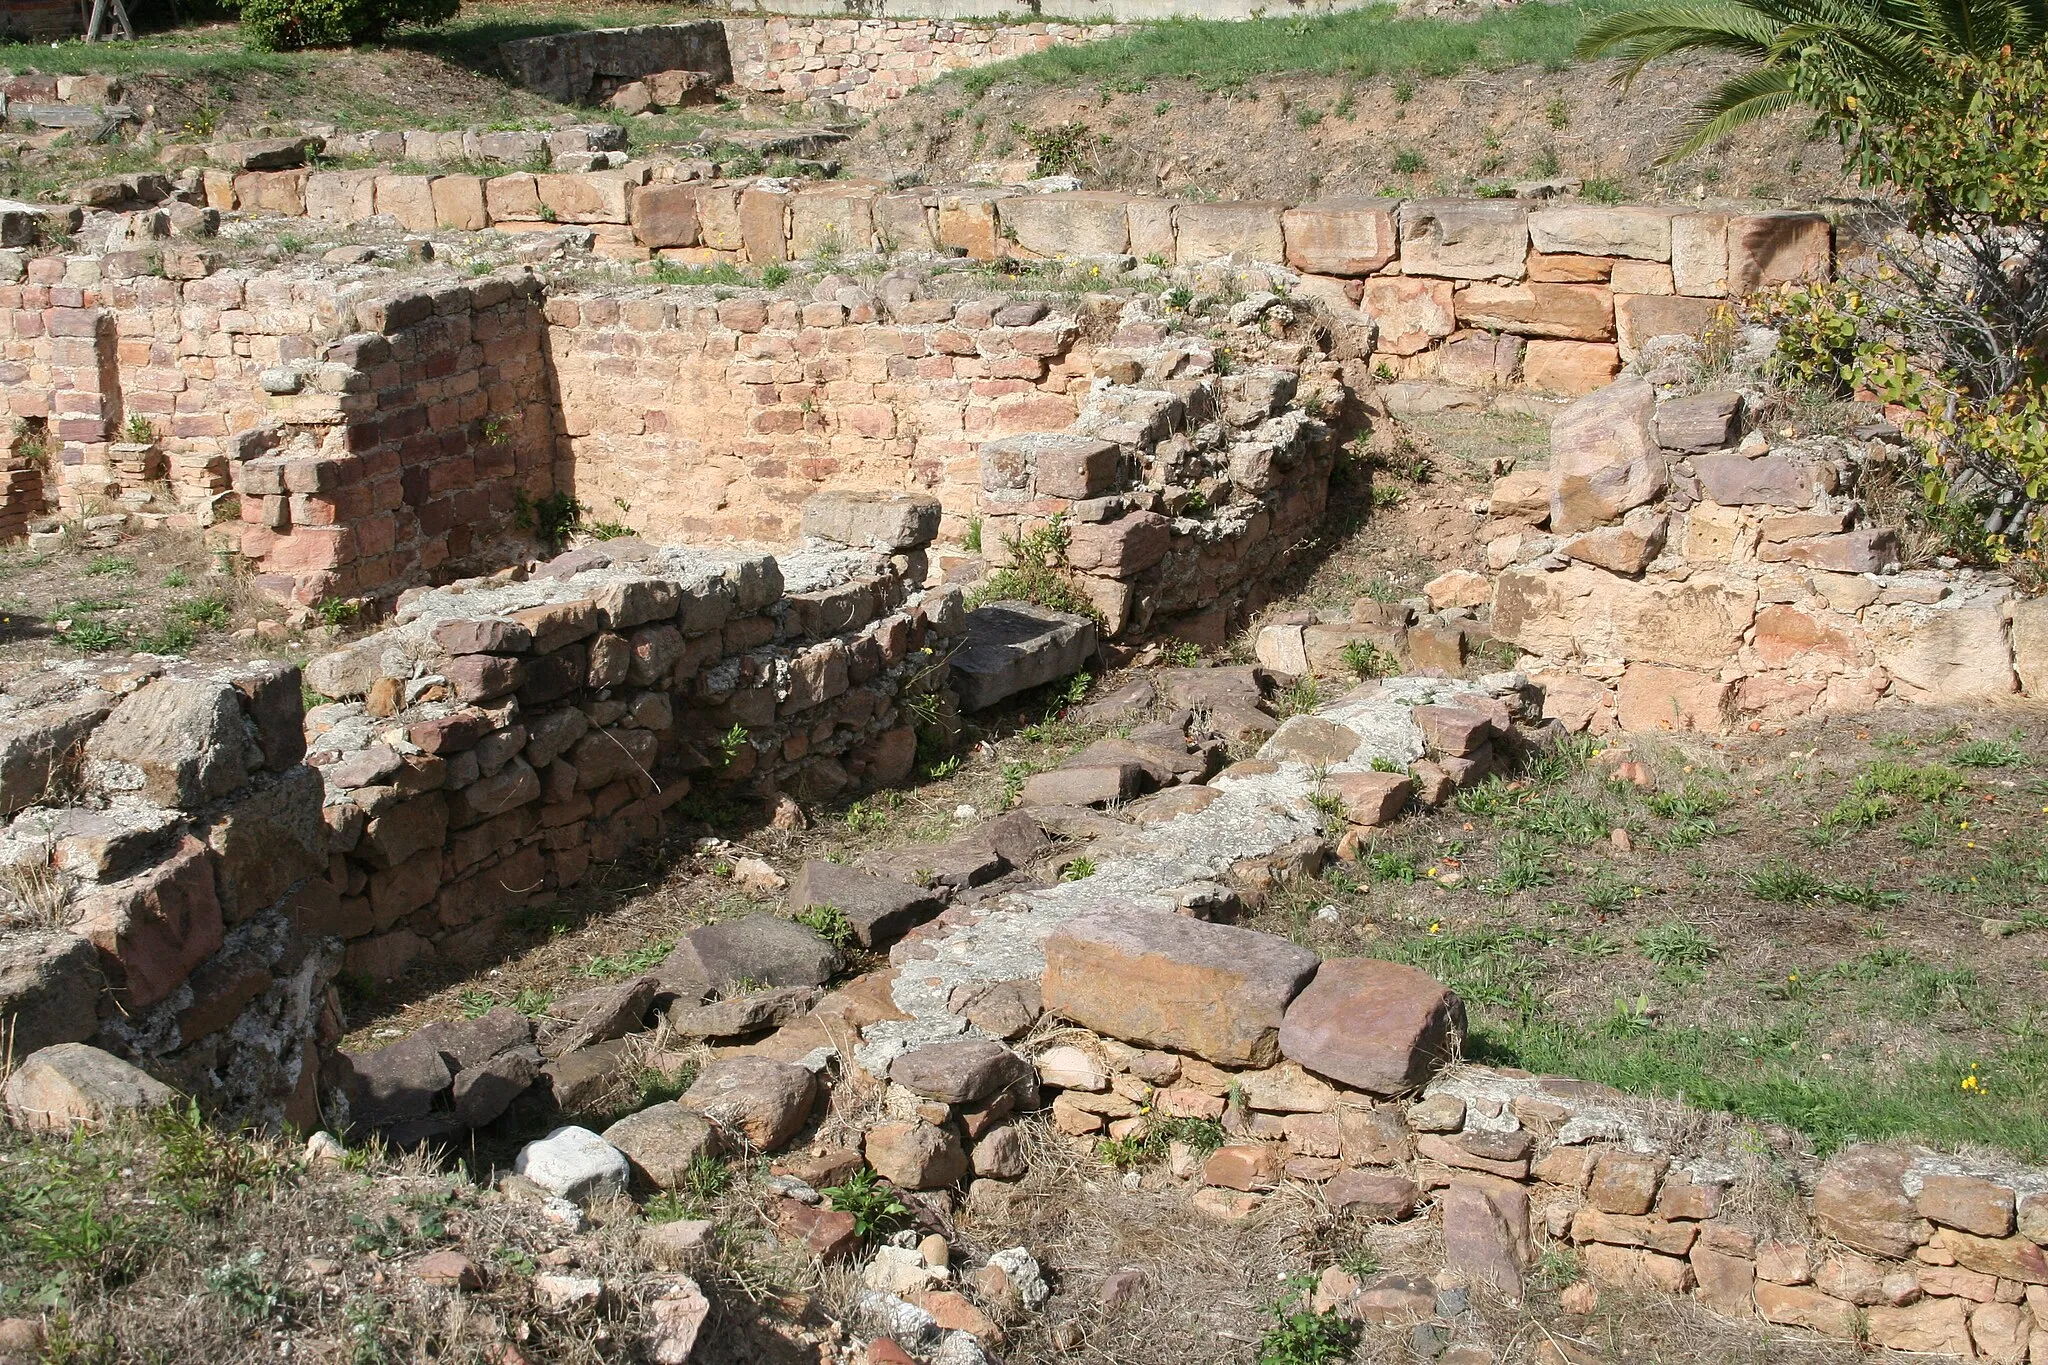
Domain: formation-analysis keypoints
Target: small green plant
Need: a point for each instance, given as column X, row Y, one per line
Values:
column 551, row 517
column 877, row 1210
column 704, row 1179
column 1675, row 943
column 138, row 430
column 1300, row 1335
column 1990, row 753
column 1078, row 870
column 1785, row 883
column 1037, row 572
column 830, row 923
column 1409, row 162
column 337, row 611
column 1544, row 165
column 731, row 742
column 971, row 542
column 1300, row 699
column 1558, row 113
column 245, row 1288
column 497, row 431
column 1368, row 660
column 1060, row 149
column 774, row 275
column 1179, row 653
column 205, row 1168
column 102, row 565
column 1602, row 191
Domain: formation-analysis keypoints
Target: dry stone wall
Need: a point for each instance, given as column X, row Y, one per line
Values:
column 502, row 735
column 1671, row 572
column 167, row 878
column 864, row 64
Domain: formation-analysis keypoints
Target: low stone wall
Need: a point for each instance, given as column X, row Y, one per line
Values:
column 1669, row 572
column 166, row 874
column 502, row 735
column 570, row 67
column 864, row 64
column 1482, row 293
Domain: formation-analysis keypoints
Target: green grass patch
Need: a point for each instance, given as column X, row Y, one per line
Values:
column 1776, row 1074
column 1363, row 43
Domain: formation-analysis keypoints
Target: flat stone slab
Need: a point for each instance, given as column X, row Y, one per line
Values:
column 575, row 1164
column 1163, row 980
column 881, row 909
column 1013, row 647
column 761, row 949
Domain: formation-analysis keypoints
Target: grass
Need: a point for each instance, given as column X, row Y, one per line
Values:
column 1364, row 43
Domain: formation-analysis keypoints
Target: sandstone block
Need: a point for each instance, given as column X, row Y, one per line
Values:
column 178, row 741
column 575, row 1164
column 1939, row 1326
column 1861, row 1201
column 1766, row 249
column 1640, row 233
column 1373, row 798
column 1604, row 457
column 1797, row 1306
column 763, row 1100
column 1164, row 980
column 1699, row 254
column 1410, row 314
column 963, row 1071
column 1073, row 223
column 1638, row 317
column 1653, row 697
column 70, row 1085
column 1464, row 239
column 1486, row 1231
column 880, row 909
column 153, row 928
column 1207, row 232
column 1571, row 312
column 665, row 216
column 915, row 1156
column 662, row 1141
column 1341, row 237
column 897, row 522
column 1570, row 367
column 49, row 991
column 761, row 948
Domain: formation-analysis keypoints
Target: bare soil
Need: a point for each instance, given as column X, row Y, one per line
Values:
column 1297, row 137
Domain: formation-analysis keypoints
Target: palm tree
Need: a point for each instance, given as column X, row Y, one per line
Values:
column 1845, row 59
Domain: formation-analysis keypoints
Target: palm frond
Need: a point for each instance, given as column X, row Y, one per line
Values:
column 1741, row 99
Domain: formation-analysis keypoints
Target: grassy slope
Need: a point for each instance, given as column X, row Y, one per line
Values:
column 1363, row 43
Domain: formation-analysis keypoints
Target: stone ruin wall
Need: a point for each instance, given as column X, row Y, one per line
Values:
column 228, row 854
column 865, row 64
column 373, row 434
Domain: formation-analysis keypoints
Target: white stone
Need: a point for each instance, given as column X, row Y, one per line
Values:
column 899, row 1270
column 560, row 1293
column 1025, row 1277
column 904, row 1323
column 575, row 1164
column 1070, row 1068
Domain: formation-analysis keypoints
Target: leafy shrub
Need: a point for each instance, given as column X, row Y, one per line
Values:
column 286, row 25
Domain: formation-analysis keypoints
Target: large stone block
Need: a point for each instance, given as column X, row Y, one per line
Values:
column 2030, row 645
column 827, row 218
column 50, row 986
column 1766, row 249
column 1486, row 1231
column 1341, row 236
column 1014, row 646
column 665, row 216
column 593, row 197
column 760, row 948
column 1949, row 653
column 1079, row 223
column 1206, row 232
column 71, row 1086
column 1570, row 312
column 1581, row 612
column 408, row 198
column 459, row 203
column 179, row 742
column 1699, row 254
column 1654, row 698
column 341, row 196
column 896, row 522
column 1163, row 980
column 1375, row 1026
column 267, row 838
column 1643, row 234
column 1604, row 456
column 1638, row 317
column 153, row 928
column 1464, row 239
column 1570, row 367
column 38, row 746
column 1410, row 314
column 880, row 909
column 1054, row 464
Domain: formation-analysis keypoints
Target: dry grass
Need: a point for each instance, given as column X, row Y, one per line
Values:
column 34, row 896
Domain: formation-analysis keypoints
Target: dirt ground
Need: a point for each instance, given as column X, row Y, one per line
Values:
column 157, row 591
column 1298, row 137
